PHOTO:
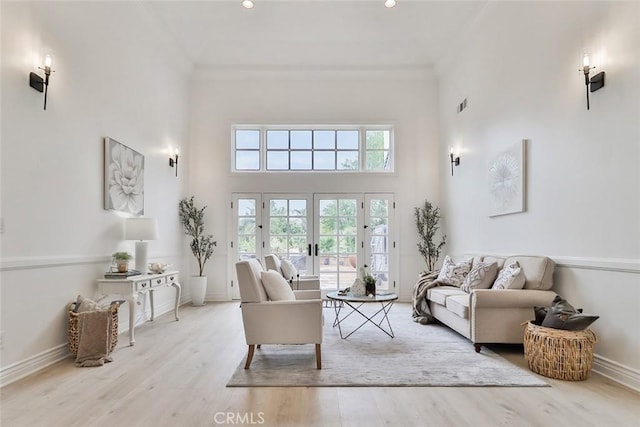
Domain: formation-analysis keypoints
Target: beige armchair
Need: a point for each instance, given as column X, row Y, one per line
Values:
column 298, row 282
column 277, row 322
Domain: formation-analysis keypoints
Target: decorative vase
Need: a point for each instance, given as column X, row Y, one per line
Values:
column 198, row 290
column 358, row 289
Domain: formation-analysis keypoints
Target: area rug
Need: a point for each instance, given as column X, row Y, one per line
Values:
column 418, row 356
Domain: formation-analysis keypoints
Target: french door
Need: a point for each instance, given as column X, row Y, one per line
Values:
column 338, row 231
column 328, row 235
column 247, row 233
column 288, row 224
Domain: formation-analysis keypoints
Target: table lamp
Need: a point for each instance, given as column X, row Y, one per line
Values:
column 141, row 229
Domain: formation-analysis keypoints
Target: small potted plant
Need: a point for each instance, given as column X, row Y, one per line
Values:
column 122, row 261
column 369, row 284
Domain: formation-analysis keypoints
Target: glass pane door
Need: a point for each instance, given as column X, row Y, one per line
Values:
column 337, row 233
column 377, row 248
column 247, row 227
column 288, row 229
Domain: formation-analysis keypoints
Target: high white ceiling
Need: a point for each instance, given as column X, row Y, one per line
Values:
column 312, row 33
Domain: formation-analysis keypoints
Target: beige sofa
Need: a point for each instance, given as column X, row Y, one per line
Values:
column 495, row 316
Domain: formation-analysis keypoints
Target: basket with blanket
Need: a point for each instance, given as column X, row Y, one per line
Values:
column 94, row 326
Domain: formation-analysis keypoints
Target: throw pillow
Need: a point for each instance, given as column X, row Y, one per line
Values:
column 540, row 313
column 453, row 274
column 562, row 315
column 510, row 277
column 289, row 271
column 579, row 321
column 481, row 276
column 276, row 286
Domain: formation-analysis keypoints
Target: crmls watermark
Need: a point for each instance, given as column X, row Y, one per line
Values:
column 238, row 418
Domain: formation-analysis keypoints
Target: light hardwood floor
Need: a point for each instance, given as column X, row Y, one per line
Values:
column 176, row 374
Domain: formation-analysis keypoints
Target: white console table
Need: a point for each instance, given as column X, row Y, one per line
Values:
column 131, row 286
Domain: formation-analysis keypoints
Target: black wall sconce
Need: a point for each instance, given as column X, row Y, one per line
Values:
column 455, row 159
column 173, row 160
column 594, row 83
column 40, row 84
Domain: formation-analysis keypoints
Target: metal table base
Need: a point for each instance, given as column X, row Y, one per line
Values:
column 385, row 306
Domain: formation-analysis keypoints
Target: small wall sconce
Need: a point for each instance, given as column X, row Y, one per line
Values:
column 594, row 83
column 40, row 84
column 455, row 158
column 173, row 160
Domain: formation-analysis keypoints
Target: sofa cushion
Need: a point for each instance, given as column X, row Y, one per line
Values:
column 453, row 274
column 289, row 271
column 276, row 286
column 538, row 270
column 459, row 304
column 510, row 277
column 475, row 260
column 439, row 294
column 498, row 260
column 481, row 276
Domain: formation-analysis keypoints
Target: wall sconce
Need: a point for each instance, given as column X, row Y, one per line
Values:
column 455, row 158
column 594, row 83
column 173, row 160
column 40, row 84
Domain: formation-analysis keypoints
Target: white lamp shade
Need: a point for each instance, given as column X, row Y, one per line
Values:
column 140, row 229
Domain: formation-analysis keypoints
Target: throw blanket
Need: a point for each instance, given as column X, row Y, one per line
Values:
column 421, row 312
column 94, row 341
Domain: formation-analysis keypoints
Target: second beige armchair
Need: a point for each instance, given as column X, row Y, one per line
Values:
column 298, row 282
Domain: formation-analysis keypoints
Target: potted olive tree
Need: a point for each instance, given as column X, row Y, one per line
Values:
column 427, row 219
column 202, row 245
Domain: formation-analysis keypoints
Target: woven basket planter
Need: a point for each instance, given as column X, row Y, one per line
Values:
column 560, row 354
column 73, row 334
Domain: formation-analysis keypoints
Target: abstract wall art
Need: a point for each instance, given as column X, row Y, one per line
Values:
column 507, row 173
column 123, row 178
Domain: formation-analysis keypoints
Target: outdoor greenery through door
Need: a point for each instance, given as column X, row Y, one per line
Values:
column 329, row 235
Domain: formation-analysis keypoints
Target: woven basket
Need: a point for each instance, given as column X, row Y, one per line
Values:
column 73, row 334
column 560, row 354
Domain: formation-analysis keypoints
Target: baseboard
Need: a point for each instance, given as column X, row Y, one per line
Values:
column 216, row 297
column 616, row 372
column 33, row 364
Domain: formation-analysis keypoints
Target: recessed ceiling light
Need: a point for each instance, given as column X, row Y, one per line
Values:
column 390, row 3
column 248, row 4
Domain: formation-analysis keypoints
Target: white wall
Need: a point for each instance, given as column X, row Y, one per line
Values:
column 404, row 98
column 115, row 75
column 519, row 71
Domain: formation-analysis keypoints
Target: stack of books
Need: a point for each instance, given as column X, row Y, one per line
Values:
column 116, row 275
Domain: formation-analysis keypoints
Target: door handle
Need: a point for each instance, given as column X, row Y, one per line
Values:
column 309, row 249
column 316, row 246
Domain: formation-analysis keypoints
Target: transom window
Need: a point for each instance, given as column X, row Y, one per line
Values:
column 327, row 148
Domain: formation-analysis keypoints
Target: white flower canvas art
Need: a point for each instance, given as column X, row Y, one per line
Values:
column 123, row 178
column 507, row 180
